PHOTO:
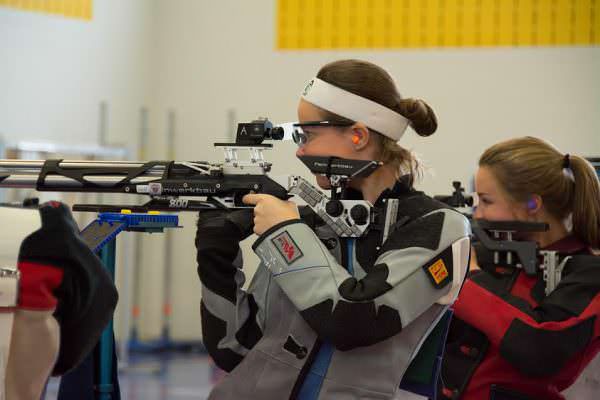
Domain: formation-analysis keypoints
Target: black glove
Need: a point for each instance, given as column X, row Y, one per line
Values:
column 233, row 225
column 86, row 296
column 218, row 237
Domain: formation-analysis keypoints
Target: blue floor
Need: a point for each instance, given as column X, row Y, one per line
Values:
column 161, row 377
column 181, row 376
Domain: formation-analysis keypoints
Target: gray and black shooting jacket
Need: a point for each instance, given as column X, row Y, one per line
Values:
column 327, row 317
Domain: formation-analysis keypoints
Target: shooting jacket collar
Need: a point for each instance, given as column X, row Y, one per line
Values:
column 402, row 187
column 570, row 244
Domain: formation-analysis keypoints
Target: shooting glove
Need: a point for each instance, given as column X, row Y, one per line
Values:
column 86, row 294
column 217, row 243
column 230, row 225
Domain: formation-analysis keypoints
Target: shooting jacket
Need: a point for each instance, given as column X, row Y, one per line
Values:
column 324, row 317
column 508, row 337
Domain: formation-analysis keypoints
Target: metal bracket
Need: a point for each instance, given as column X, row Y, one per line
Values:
column 347, row 218
column 552, row 269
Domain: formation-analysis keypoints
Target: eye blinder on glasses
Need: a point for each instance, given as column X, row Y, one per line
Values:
column 300, row 137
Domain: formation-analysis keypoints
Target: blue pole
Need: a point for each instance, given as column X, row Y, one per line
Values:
column 105, row 385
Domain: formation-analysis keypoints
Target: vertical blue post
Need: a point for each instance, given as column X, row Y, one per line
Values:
column 105, row 384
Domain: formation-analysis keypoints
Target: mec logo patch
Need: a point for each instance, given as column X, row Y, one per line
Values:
column 287, row 247
column 438, row 273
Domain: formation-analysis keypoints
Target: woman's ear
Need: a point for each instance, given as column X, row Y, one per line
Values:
column 360, row 136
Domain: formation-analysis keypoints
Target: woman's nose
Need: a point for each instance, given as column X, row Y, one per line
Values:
column 300, row 151
column 478, row 214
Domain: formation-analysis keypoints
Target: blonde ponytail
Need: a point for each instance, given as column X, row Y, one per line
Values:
column 586, row 202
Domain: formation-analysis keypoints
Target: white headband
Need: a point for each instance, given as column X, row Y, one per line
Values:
column 356, row 108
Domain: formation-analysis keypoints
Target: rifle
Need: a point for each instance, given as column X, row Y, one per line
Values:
column 496, row 247
column 457, row 199
column 170, row 184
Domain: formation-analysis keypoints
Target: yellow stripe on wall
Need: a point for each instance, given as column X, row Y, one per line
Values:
column 80, row 9
column 352, row 24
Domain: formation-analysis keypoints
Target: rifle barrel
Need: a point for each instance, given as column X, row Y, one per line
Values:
column 25, row 181
column 25, row 174
column 16, row 166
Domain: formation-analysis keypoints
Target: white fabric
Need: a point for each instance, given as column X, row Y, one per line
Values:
column 8, row 301
column 17, row 223
column 6, row 325
column 33, row 352
column 356, row 108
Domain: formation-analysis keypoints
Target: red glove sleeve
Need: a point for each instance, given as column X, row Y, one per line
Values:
column 37, row 284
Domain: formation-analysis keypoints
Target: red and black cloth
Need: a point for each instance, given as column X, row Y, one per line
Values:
column 508, row 337
column 59, row 270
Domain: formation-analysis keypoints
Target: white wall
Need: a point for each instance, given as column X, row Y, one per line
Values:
column 55, row 71
column 214, row 57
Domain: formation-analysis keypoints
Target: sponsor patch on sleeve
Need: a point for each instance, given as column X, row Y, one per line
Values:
column 287, row 247
column 438, row 273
